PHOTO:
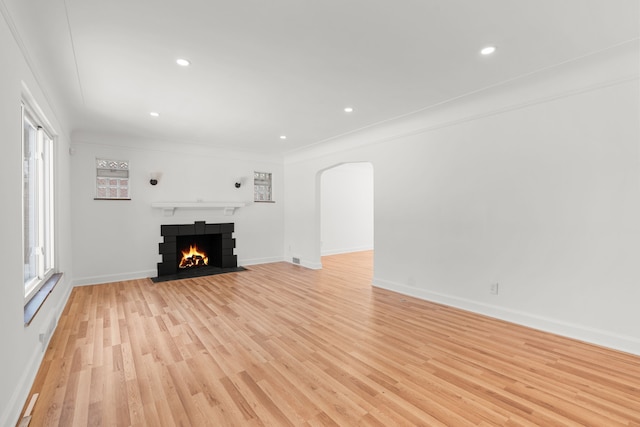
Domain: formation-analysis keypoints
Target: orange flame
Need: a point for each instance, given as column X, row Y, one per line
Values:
column 193, row 258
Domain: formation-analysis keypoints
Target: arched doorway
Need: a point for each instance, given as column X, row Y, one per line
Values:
column 347, row 208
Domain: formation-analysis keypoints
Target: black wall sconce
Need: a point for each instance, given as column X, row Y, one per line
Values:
column 239, row 182
column 154, row 177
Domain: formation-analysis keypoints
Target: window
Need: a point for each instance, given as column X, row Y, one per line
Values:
column 112, row 179
column 38, row 202
column 262, row 187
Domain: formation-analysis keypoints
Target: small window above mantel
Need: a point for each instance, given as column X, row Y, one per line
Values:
column 112, row 180
column 169, row 208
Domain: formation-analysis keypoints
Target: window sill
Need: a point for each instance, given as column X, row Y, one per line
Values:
column 34, row 304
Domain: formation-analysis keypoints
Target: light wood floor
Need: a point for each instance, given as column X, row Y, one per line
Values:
column 281, row 345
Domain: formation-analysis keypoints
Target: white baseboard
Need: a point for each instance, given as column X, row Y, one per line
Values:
column 109, row 278
column 311, row 265
column 11, row 415
column 21, row 392
column 97, row 280
column 303, row 263
column 257, row 261
column 346, row 250
column 306, row 264
column 570, row 330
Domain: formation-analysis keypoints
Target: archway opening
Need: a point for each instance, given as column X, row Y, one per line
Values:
column 347, row 209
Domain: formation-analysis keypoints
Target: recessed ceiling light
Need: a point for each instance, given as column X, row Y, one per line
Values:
column 154, row 114
column 348, row 109
column 283, row 136
column 183, row 62
column 488, row 50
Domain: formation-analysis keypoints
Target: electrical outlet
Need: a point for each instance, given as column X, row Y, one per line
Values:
column 493, row 289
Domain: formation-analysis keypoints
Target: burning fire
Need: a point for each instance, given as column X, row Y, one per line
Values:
column 193, row 258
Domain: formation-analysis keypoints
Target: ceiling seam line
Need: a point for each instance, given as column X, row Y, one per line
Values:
column 73, row 49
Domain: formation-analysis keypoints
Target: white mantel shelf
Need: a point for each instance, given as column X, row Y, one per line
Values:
column 169, row 208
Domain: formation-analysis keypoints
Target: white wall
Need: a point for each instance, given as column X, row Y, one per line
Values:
column 347, row 208
column 534, row 184
column 22, row 351
column 118, row 240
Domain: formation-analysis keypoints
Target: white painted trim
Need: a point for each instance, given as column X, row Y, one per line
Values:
column 97, row 280
column 347, row 250
column 609, row 67
column 169, row 207
column 8, row 18
column 570, row 330
column 163, row 145
column 256, row 261
column 14, row 407
column 307, row 264
column 21, row 393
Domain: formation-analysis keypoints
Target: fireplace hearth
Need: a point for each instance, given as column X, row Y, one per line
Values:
column 194, row 250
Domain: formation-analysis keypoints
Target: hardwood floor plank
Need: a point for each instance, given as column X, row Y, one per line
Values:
column 262, row 404
column 240, row 404
column 96, row 396
column 281, row 345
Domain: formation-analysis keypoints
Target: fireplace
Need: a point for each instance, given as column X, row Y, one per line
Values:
column 199, row 249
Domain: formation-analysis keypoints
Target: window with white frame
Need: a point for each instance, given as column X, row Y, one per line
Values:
column 262, row 188
column 38, row 201
column 112, row 179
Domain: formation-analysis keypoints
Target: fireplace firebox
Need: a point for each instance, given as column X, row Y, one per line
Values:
column 191, row 250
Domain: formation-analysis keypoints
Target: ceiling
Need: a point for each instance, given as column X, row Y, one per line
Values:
column 261, row 69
